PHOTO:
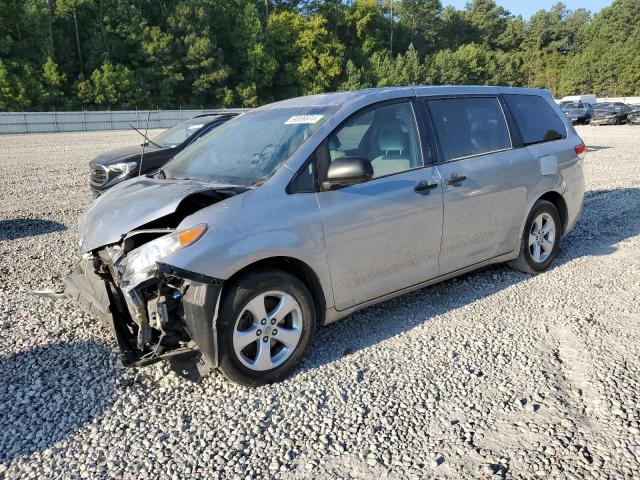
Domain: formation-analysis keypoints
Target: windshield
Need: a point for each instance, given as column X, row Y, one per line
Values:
column 572, row 106
column 179, row 133
column 248, row 149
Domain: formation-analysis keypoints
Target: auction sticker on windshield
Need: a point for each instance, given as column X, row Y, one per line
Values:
column 297, row 119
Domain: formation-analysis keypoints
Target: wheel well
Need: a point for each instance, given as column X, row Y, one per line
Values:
column 298, row 269
column 560, row 204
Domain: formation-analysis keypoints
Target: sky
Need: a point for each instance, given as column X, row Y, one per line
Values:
column 526, row 8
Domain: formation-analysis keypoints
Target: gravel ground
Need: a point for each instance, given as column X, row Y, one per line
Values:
column 494, row 373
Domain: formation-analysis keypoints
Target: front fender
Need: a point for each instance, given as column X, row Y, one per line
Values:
column 260, row 224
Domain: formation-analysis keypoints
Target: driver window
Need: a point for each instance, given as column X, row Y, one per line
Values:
column 384, row 135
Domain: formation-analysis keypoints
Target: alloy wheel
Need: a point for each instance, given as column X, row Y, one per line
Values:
column 268, row 330
column 542, row 237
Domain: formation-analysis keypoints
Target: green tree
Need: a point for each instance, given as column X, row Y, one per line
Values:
column 162, row 70
column 469, row 64
column 455, row 29
column 367, row 30
column 488, row 21
column 110, row 85
column 52, row 83
column 283, row 33
column 204, row 69
column 629, row 80
column 124, row 53
column 383, row 69
column 423, row 19
column 354, row 78
column 408, row 68
column 258, row 66
column 513, row 35
column 321, row 56
column 6, row 90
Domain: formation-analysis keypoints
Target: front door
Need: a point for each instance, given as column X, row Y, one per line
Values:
column 383, row 235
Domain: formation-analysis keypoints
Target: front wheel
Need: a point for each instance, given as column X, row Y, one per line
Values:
column 540, row 240
column 265, row 325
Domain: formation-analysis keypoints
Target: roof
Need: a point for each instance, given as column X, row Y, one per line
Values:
column 340, row 98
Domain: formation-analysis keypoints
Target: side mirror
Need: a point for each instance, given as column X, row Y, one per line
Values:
column 348, row 171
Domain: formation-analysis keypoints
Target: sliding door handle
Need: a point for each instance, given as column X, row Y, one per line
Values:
column 455, row 179
column 424, row 186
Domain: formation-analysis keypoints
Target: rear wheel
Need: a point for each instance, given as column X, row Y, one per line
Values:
column 266, row 322
column 540, row 240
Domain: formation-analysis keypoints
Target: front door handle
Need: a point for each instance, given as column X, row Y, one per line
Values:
column 424, row 186
column 455, row 179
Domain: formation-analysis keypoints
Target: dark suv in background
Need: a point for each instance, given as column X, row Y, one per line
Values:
column 633, row 117
column 577, row 112
column 111, row 168
column 610, row 113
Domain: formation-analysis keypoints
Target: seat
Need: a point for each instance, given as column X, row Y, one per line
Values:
column 394, row 156
column 334, row 148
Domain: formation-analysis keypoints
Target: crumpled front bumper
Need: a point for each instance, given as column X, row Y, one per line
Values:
column 196, row 354
column 89, row 290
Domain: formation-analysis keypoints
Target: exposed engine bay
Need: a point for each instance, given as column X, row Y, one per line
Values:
column 157, row 311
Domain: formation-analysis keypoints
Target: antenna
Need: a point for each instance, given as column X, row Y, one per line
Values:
column 144, row 136
column 144, row 143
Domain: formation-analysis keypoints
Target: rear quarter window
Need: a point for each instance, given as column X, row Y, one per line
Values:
column 536, row 119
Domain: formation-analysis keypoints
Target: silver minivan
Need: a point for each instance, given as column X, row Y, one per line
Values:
column 296, row 214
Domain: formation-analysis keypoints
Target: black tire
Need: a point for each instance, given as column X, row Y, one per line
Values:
column 525, row 261
column 235, row 298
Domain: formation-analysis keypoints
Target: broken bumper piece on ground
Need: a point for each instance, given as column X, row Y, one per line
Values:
column 170, row 316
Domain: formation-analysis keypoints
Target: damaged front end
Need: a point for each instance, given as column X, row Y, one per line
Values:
column 157, row 311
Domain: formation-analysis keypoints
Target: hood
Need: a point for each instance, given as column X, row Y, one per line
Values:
column 139, row 201
column 121, row 154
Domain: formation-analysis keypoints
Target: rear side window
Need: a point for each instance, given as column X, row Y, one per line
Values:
column 536, row 119
column 469, row 126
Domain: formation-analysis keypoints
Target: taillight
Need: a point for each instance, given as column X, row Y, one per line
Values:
column 580, row 150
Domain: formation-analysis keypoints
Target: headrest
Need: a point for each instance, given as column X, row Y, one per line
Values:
column 390, row 138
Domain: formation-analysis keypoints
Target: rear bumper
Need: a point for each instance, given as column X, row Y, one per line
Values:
column 188, row 338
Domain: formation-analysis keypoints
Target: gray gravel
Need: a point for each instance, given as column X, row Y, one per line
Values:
column 493, row 374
